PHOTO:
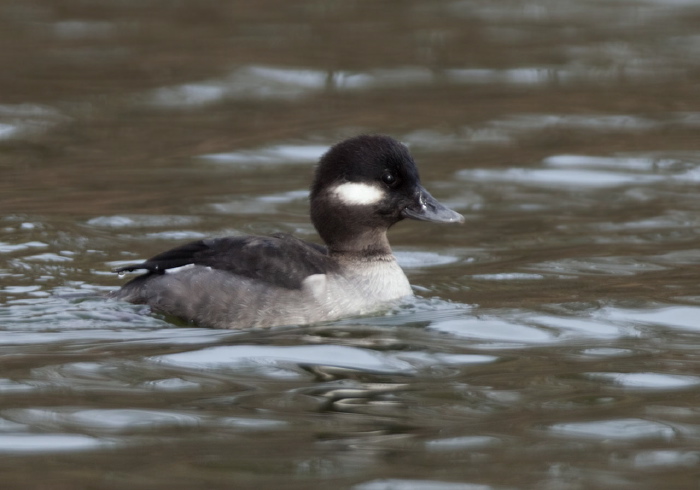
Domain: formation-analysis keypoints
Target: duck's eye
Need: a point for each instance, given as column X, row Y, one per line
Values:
column 390, row 179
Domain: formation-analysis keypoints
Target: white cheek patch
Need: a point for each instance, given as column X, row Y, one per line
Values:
column 355, row 193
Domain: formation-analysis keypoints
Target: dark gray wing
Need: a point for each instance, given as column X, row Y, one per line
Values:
column 281, row 259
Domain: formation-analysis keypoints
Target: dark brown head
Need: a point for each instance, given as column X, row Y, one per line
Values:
column 362, row 187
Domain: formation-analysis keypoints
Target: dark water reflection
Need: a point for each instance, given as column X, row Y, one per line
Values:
column 554, row 345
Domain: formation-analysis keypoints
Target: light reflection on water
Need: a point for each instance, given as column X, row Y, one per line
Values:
column 553, row 343
column 623, row 429
column 589, row 172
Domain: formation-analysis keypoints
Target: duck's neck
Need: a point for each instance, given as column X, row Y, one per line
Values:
column 370, row 245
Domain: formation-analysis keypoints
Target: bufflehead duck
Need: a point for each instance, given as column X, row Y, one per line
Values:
column 362, row 186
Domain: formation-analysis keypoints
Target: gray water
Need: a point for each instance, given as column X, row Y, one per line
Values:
column 554, row 340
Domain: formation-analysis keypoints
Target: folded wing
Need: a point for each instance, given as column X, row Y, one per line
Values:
column 280, row 260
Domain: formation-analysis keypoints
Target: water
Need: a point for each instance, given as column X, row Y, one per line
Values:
column 553, row 344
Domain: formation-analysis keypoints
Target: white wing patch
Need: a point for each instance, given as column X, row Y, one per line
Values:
column 316, row 284
column 355, row 193
column 175, row 270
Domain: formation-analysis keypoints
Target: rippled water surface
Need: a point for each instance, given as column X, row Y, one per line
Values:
column 554, row 340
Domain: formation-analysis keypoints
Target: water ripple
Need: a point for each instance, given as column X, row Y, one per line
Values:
column 275, row 360
column 629, row 429
column 647, row 381
column 43, row 443
column 399, row 484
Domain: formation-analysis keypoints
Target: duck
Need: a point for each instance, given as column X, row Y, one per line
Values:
column 362, row 186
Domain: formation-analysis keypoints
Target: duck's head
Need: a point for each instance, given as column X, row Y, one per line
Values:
column 363, row 186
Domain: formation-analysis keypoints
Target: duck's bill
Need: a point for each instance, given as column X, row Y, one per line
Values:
column 426, row 208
